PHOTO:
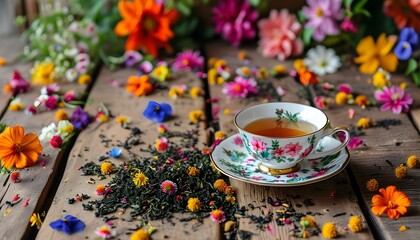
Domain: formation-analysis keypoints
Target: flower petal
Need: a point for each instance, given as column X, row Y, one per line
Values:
column 369, row 67
column 389, row 62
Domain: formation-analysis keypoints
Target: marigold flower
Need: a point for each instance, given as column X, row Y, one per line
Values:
column 231, row 199
column 381, row 78
column 35, row 220
column 364, row 123
column 18, row 149
column 220, row 185
column 61, row 114
column 194, row 204
column 413, row 162
column 84, row 79
column 195, row 92
column 43, row 73
column 361, row 100
column 390, row 201
column 100, row 190
column 193, row 171
column 106, row 168
column 220, row 135
column 355, row 224
column 140, row 234
column 307, row 77
column 329, row 230
column 218, row 216
column 147, row 25
column 341, row 98
column 140, row 179
column 196, row 116
column 401, row 171
column 139, row 86
column 403, row 228
column 299, row 65
column 372, row 185
column 229, row 190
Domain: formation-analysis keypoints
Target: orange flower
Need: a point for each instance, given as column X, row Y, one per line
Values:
column 307, row 77
column 390, row 201
column 139, row 86
column 147, row 25
column 17, row 149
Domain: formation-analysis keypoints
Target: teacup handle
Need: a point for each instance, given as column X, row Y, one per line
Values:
column 334, row 150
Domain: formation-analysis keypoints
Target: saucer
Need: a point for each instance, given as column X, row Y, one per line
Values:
column 232, row 159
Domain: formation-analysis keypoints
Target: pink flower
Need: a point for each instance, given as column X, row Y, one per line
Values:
column 188, row 60
column 348, row 26
column 241, row 87
column 218, row 216
column 292, row 175
column 258, row 145
column 56, row 141
column 278, row 35
column 307, row 151
column 321, row 102
column 235, row 20
column 293, row 149
column 51, row 102
column 323, row 16
column 168, row 187
column 345, row 88
column 278, row 152
column 69, row 96
column 18, row 84
column 354, row 142
column 394, row 98
column 238, row 141
column 161, row 144
column 320, row 173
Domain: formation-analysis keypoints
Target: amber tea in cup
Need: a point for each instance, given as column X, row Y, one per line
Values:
column 281, row 128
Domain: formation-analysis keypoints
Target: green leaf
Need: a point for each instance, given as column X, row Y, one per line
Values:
column 301, row 17
column 347, row 2
column 363, row 12
column 416, row 78
column 307, row 35
column 411, row 67
column 183, row 8
column 359, row 6
column 332, row 40
column 254, row 3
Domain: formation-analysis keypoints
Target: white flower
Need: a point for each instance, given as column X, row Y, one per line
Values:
column 48, row 132
column 321, row 60
column 71, row 74
column 65, row 128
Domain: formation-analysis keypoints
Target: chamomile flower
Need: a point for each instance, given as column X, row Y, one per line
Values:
column 321, row 60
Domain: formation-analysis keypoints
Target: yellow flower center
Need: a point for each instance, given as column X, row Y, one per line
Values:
column 395, row 96
column 18, row 148
column 149, row 24
column 185, row 62
column 391, row 204
column 319, row 12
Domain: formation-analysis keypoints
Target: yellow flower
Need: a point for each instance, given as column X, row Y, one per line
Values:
column 16, row 105
column 193, row 171
column 194, row 204
column 84, row 79
column 43, row 73
column 229, row 226
column 106, row 168
column 61, row 114
column 212, row 76
column 140, row 179
column 231, row 199
column 122, row 119
column 196, row 116
column 220, row 185
column 220, row 80
column 226, row 111
column 374, row 55
column 363, row 123
column 2, row 61
column 341, row 98
column 242, row 55
column 195, row 92
column 211, row 62
column 401, row 171
column 140, row 234
column 176, row 91
column 355, row 224
column 220, row 63
column 403, row 85
column 161, row 73
column 35, row 220
column 361, row 100
column 380, row 79
column 403, row 228
column 219, row 135
column 278, row 70
column 329, row 230
column 299, row 65
column 413, row 162
column 372, row 185
column 262, row 73
column 229, row 190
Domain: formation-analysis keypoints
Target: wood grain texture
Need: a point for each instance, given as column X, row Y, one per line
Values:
column 119, row 102
column 337, row 209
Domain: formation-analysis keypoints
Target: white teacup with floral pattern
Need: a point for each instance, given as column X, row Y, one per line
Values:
column 281, row 155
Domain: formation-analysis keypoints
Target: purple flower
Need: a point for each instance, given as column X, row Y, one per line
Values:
column 323, row 16
column 394, row 98
column 145, row 67
column 157, row 112
column 18, row 84
column 80, row 119
column 235, row 20
column 407, row 43
column 354, row 142
column 241, row 87
column 188, row 60
column 69, row 225
column 132, row 57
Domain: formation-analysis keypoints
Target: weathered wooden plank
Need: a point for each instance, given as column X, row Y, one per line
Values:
column 385, row 150
column 118, row 101
column 337, row 208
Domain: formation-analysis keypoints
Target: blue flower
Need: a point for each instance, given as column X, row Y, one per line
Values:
column 403, row 50
column 80, row 119
column 157, row 112
column 114, row 152
column 407, row 43
column 69, row 225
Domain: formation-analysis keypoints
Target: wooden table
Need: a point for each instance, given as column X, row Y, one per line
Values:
column 335, row 199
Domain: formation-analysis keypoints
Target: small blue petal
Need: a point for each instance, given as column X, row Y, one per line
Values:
column 403, row 50
column 114, row 152
column 69, row 225
column 409, row 35
column 157, row 112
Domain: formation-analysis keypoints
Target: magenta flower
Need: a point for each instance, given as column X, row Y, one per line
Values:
column 348, row 26
column 18, row 84
column 235, row 20
column 241, row 87
column 293, row 149
column 345, row 88
column 323, row 16
column 238, row 141
column 355, row 142
column 394, row 98
column 319, row 173
column 258, row 145
column 307, row 151
column 279, row 35
column 188, row 60
column 168, row 187
column 278, row 152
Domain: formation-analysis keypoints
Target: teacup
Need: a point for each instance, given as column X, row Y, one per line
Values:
column 282, row 134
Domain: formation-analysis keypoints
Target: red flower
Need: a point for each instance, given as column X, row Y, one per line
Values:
column 406, row 13
column 56, row 142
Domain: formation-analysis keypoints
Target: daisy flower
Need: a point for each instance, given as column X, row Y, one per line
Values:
column 240, row 87
column 394, row 98
column 321, row 60
column 188, row 60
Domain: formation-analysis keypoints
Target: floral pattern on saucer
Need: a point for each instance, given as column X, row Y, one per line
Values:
column 231, row 158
